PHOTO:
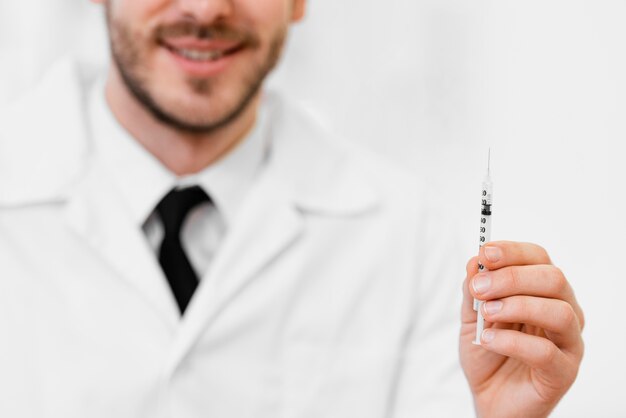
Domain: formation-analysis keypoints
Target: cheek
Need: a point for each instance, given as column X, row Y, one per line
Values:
column 137, row 8
column 267, row 15
column 140, row 16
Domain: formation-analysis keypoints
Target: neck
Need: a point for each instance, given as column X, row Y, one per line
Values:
column 182, row 153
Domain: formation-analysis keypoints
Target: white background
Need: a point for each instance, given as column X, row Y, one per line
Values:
column 432, row 84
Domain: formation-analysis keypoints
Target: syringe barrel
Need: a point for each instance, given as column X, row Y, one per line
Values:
column 486, row 210
column 485, row 221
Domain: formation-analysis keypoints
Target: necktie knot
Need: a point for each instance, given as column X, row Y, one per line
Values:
column 176, row 205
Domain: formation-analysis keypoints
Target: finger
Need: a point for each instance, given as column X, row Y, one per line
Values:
column 556, row 317
column 537, row 280
column 537, row 352
column 540, row 280
column 498, row 254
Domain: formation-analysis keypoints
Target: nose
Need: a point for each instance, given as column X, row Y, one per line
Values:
column 206, row 11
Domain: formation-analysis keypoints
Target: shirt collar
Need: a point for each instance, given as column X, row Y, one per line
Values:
column 143, row 180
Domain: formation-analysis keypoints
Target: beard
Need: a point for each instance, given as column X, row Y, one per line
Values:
column 215, row 112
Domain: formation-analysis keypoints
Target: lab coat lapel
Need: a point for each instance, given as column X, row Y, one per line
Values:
column 267, row 226
column 304, row 174
column 95, row 214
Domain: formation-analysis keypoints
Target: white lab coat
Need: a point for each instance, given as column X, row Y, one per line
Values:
column 330, row 297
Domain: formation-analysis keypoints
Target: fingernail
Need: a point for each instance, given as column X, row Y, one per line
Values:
column 493, row 306
column 493, row 254
column 481, row 283
column 488, row 335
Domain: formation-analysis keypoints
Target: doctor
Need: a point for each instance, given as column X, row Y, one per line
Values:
column 174, row 242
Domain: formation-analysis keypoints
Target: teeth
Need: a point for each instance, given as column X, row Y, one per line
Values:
column 194, row 55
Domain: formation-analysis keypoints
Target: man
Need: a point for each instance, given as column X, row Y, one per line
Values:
column 176, row 243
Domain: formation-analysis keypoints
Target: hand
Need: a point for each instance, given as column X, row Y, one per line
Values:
column 532, row 346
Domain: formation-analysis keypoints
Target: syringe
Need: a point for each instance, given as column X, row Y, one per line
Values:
column 485, row 237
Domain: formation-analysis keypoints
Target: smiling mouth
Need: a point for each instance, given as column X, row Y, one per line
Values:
column 202, row 55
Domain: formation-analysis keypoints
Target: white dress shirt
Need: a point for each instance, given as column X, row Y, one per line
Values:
column 143, row 181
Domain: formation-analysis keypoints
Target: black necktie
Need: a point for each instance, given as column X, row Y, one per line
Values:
column 173, row 210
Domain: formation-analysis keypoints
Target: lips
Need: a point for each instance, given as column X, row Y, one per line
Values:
column 202, row 58
column 202, row 51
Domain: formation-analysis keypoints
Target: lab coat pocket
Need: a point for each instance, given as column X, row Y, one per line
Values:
column 337, row 382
